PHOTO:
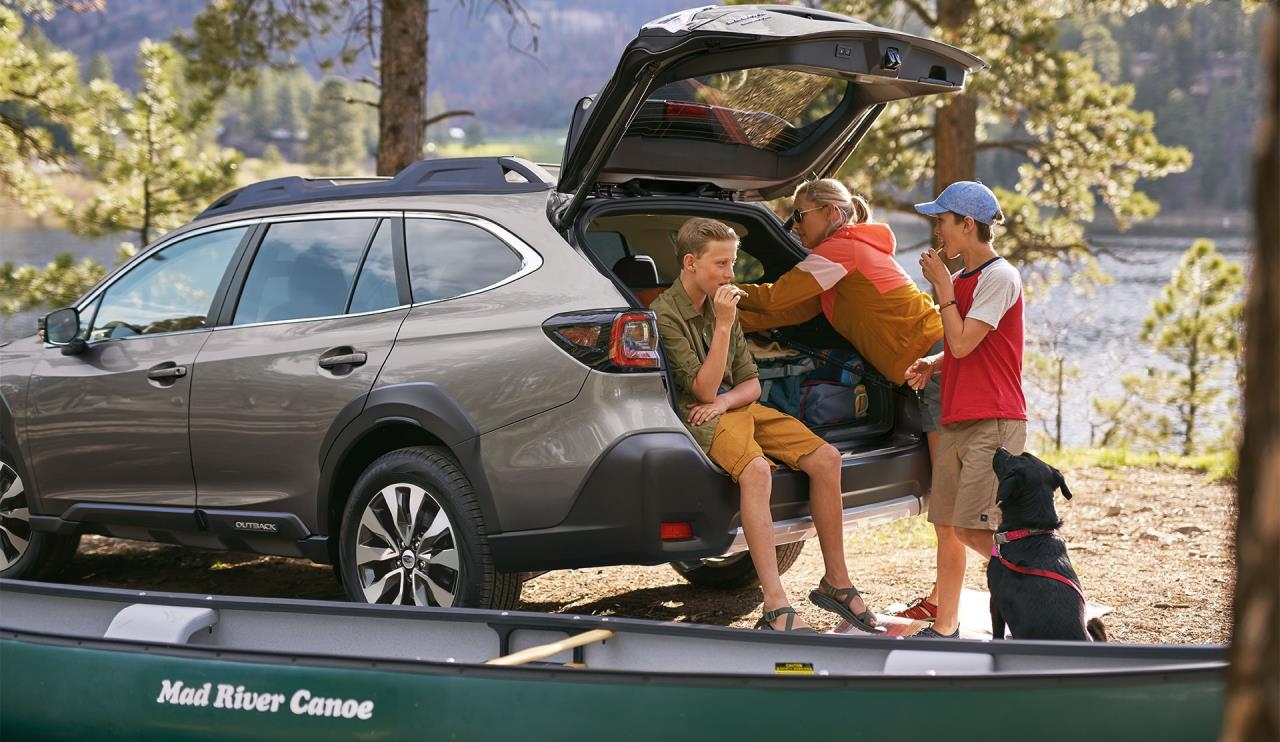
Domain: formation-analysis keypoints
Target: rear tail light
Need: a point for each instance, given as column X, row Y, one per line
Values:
column 608, row 340
column 676, row 531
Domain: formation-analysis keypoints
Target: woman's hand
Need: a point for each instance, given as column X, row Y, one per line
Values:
column 919, row 373
column 700, row 413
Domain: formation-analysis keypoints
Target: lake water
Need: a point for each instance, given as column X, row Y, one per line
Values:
column 38, row 246
column 1099, row 333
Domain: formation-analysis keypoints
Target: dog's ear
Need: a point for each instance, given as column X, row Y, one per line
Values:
column 1061, row 484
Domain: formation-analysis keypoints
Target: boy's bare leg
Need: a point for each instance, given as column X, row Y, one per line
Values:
column 932, row 435
column 823, row 468
column 951, row 565
column 755, row 484
column 951, row 569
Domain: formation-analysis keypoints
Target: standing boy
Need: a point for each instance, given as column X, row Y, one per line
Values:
column 983, row 407
column 718, row 386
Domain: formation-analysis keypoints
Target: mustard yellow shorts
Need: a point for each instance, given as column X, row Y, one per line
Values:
column 964, row 484
column 755, row 430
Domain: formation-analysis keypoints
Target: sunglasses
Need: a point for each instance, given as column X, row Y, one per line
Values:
column 797, row 215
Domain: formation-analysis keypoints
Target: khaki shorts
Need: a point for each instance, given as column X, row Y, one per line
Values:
column 964, row 484
column 755, row 430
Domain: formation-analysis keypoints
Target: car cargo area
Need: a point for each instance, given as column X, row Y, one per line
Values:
column 806, row 370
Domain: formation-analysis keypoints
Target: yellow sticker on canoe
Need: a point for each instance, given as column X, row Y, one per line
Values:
column 793, row 668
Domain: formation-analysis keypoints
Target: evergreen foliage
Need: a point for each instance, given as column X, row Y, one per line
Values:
column 1195, row 325
column 232, row 40
column 38, row 104
column 1072, row 140
column 152, row 174
column 99, row 68
column 333, row 130
column 58, row 284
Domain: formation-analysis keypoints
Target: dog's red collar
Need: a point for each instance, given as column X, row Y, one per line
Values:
column 1023, row 533
column 1004, row 537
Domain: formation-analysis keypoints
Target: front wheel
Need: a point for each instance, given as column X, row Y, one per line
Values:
column 735, row 571
column 25, row 553
column 412, row 534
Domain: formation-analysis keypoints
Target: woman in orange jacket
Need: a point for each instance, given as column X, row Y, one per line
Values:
column 850, row 276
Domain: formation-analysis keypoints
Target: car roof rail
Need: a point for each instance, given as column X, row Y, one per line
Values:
column 496, row 175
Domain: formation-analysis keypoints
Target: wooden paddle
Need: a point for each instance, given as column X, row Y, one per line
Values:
column 546, row 650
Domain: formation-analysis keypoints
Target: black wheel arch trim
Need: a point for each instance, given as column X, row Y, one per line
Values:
column 423, row 405
column 9, row 445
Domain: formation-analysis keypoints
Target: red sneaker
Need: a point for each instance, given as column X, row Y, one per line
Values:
column 920, row 610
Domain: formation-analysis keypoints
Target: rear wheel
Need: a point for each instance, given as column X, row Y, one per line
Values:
column 25, row 553
column 735, row 571
column 412, row 534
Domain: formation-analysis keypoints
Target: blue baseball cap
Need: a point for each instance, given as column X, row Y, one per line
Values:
column 966, row 198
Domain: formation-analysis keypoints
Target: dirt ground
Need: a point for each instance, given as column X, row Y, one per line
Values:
column 1155, row 544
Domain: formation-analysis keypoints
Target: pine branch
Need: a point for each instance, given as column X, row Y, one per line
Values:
column 447, row 114
column 921, row 11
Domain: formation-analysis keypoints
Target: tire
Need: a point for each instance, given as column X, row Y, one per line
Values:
column 27, row 554
column 444, row 561
column 735, row 571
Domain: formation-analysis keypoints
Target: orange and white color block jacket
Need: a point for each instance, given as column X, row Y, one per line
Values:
column 853, row 279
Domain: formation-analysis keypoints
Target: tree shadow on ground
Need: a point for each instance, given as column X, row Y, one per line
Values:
column 684, row 603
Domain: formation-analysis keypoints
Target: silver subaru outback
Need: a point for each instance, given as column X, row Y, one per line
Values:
column 445, row 381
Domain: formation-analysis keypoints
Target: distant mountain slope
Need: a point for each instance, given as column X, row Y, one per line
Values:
column 472, row 62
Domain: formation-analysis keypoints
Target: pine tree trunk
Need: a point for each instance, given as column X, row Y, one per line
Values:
column 1253, row 684
column 1057, row 428
column 956, row 126
column 402, row 108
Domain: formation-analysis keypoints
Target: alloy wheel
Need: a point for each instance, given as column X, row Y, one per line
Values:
column 405, row 549
column 15, row 518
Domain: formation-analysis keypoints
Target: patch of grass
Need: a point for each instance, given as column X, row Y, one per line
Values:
column 1217, row 464
column 908, row 532
column 547, row 147
column 253, row 169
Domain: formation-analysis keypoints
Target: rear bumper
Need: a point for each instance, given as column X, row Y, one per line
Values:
column 648, row 479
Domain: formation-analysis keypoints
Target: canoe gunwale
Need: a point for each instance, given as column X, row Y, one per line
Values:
column 1189, row 673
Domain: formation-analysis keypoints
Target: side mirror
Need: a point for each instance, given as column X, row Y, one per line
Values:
column 61, row 328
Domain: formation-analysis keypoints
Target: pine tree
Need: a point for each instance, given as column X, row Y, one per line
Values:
column 1195, row 326
column 153, row 177
column 232, row 39
column 333, row 130
column 1077, row 139
column 38, row 103
column 99, row 68
column 1195, row 323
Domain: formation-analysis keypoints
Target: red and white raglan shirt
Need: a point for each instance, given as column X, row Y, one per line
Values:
column 853, row 279
column 987, row 383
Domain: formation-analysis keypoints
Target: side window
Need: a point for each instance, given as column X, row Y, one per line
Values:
column 303, row 269
column 376, row 286
column 448, row 259
column 610, row 247
column 170, row 290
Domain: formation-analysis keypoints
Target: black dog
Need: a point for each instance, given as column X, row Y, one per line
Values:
column 1033, row 587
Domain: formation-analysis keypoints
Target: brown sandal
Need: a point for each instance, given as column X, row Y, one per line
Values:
column 768, row 617
column 839, row 600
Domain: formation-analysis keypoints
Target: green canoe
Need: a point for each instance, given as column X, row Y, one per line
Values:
column 92, row 663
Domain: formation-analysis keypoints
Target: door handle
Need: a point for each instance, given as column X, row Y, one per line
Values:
column 167, row 372
column 356, row 358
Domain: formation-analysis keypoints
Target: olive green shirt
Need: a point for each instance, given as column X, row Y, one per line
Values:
column 686, row 335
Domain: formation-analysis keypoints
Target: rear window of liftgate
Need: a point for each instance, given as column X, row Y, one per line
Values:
column 764, row 107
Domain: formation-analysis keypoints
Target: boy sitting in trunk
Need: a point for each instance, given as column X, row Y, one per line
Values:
column 718, row 388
